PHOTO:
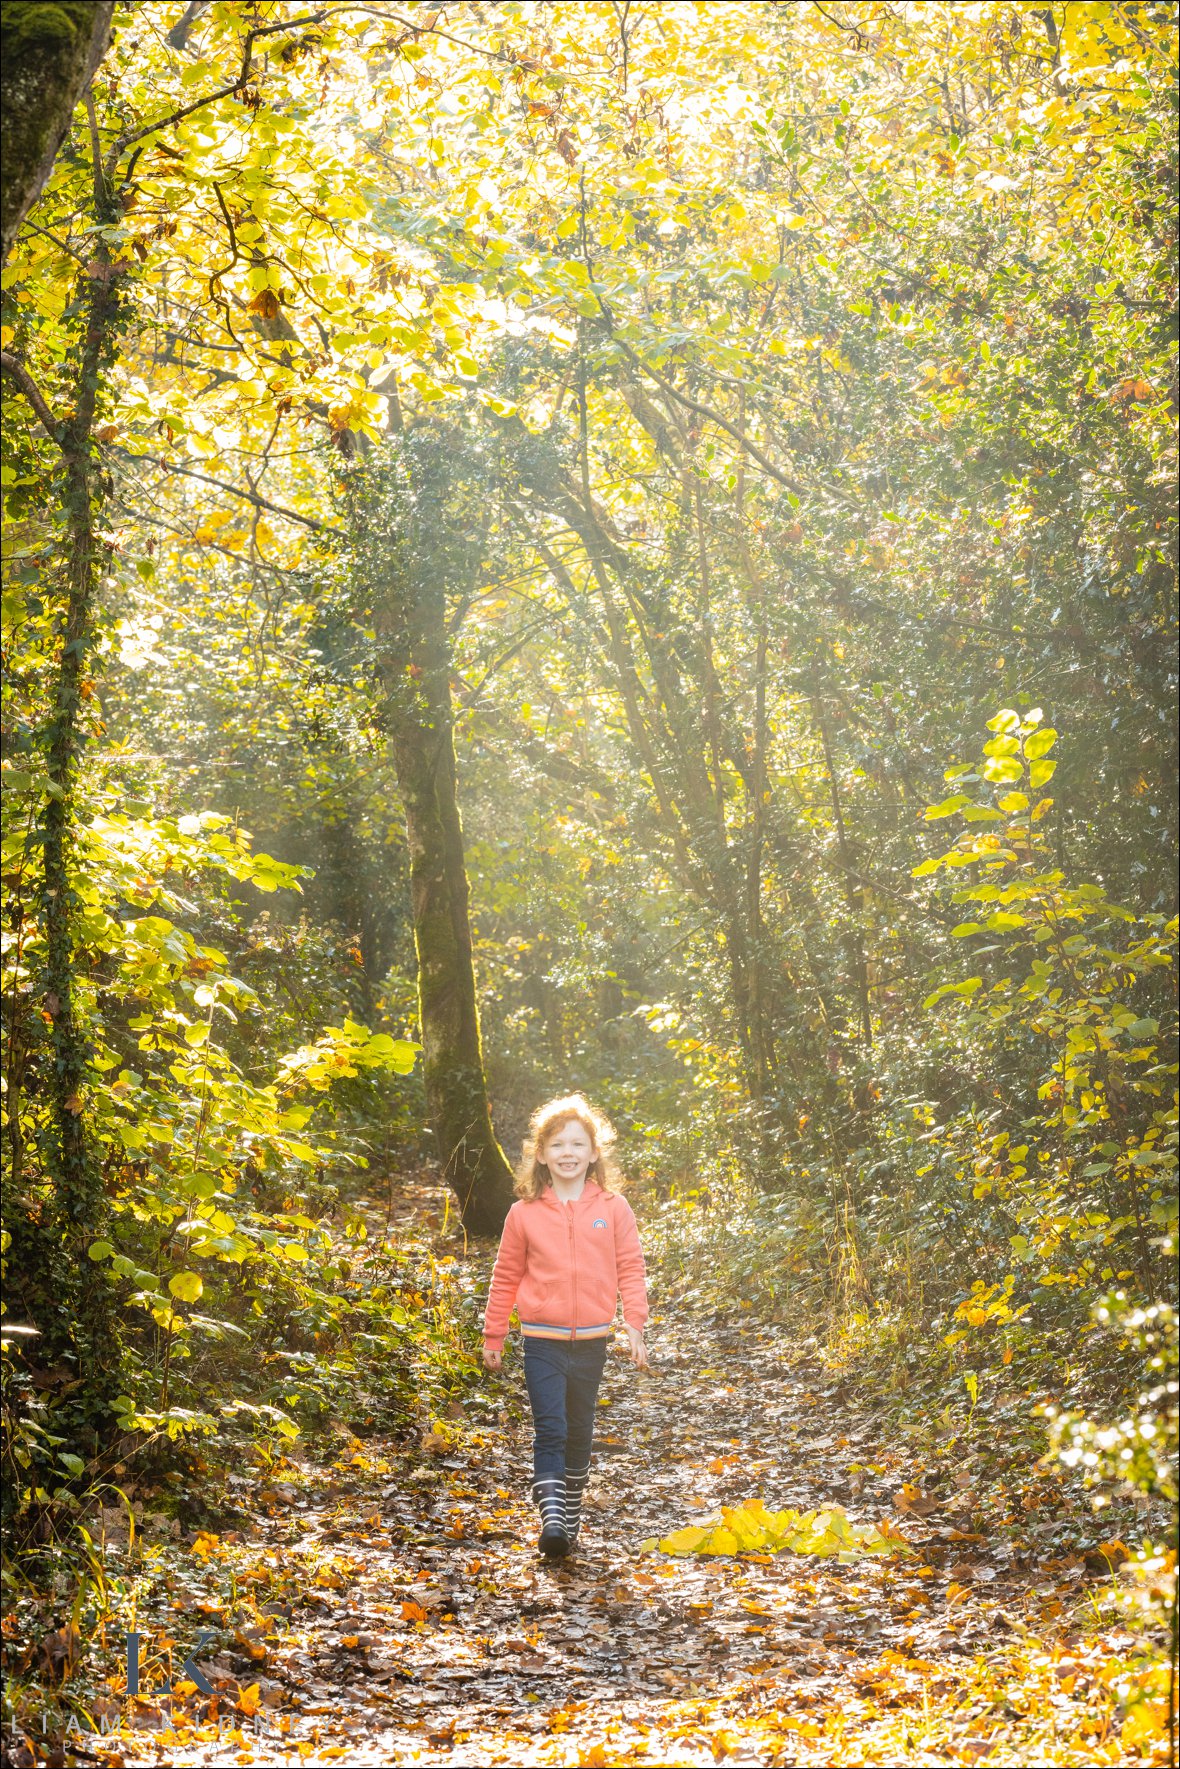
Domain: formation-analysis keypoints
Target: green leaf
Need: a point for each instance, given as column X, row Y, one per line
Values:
column 967, row 988
column 99, row 1250
column 947, row 808
column 199, row 1185
column 1040, row 743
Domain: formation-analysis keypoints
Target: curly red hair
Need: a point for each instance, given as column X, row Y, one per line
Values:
column 532, row 1176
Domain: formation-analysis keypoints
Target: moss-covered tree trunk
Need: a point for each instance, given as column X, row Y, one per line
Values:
column 50, row 53
column 456, row 1094
column 412, row 545
column 71, row 1296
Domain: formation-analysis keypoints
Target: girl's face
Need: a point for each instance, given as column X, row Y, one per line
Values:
column 569, row 1150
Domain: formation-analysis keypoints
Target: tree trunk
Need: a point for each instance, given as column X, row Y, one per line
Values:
column 50, row 53
column 407, row 556
column 424, row 755
column 852, row 891
column 81, row 1323
column 80, row 1199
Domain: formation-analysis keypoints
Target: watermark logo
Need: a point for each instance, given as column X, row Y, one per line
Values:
column 236, row 1725
column 191, row 1672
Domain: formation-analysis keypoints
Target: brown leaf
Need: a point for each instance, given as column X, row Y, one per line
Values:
column 59, row 1651
column 913, row 1500
column 1107, row 1556
column 250, row 1641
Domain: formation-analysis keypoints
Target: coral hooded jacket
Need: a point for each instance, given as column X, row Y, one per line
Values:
column 564, row 1266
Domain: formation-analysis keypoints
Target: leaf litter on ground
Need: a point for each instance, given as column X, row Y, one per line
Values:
column 386, row 1603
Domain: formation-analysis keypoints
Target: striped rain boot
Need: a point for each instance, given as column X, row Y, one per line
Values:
column 549, row 1496
column 575, row 1486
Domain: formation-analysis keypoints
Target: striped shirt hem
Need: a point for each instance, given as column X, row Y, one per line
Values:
column 542, row 1330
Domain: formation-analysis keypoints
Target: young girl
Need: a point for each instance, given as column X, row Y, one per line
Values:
column 569, row 1247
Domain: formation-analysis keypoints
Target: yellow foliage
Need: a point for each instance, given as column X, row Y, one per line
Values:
column 749, row 1528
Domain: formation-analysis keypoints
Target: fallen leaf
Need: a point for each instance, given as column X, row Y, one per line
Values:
column 914, row 1500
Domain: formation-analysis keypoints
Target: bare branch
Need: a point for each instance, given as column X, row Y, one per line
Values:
column 673, row 392
column 125, row 141
column 235, row 491
column 16, row 369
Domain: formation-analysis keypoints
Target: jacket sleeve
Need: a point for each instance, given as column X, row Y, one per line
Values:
column 629, row 1265
column 506, row 1275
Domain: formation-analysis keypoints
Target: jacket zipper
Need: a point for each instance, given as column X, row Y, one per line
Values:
column 574, row 1268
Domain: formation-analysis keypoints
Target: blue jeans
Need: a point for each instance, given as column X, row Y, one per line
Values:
column 563, row 1378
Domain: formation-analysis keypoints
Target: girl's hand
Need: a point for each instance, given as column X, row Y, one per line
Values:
column 637, row 1349
column 493, row 1358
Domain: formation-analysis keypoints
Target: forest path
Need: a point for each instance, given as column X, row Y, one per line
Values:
column 401, row 1614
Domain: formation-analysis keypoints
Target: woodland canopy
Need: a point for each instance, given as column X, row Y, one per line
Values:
column 626, row 547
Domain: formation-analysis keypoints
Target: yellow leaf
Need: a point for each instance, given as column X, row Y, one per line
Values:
column 719, row 1541
column 1147, row 1719
column 250, row 1699
column 684, row 1541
